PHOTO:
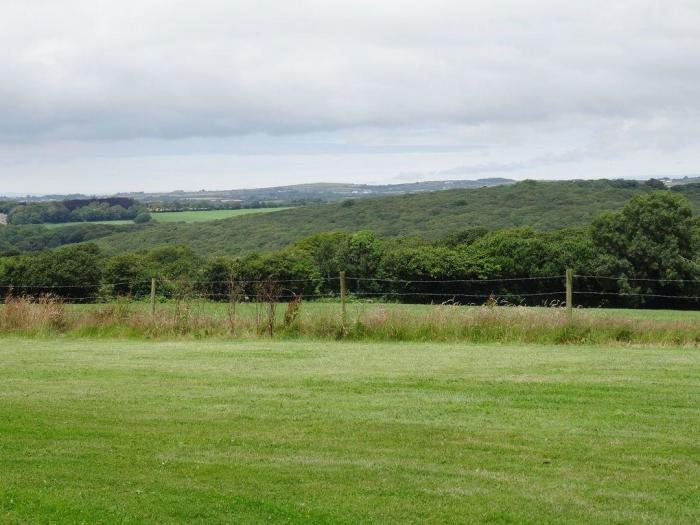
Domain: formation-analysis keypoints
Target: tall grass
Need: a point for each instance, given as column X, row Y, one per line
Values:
column 370, row 322
column 45, row 314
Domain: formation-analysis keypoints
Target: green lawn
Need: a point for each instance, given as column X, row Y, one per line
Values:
column 181, row 216
column 316, row 308
column 205, row 432
column 208, row 215
column 61, row 224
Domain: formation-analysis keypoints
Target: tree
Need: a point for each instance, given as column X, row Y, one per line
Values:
column 655, row 184
column 361, row 257
column 127, row 274
column 326, row 249
column 70, row 272
column 650, row 238
column 143, row 218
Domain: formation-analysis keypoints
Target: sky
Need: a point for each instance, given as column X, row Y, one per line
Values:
column 100, row 96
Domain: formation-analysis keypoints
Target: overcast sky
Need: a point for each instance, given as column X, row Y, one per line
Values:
column 100, row 96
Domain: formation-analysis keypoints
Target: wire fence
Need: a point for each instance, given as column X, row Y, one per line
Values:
column 587, row 290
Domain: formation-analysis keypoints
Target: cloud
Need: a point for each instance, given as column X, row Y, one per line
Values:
column 87, row 69
column 99, row 96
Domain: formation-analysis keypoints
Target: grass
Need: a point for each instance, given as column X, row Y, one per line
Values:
column 640, row 314
column 100, row 431
column 364, row 322
column 208, row 215
column 180, row 216
column 62, row 224
column 355, row 308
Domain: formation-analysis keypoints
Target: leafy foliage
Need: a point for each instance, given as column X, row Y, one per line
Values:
column 15, row 240
column 71, row 271
column 543, row 206
column 651, row 246
column 650, row 240
column 74, row 211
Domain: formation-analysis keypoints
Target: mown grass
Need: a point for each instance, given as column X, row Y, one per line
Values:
column 207, row 215
column 62, row 224
column 179, row 216
column 98, row 431
column 363, row 322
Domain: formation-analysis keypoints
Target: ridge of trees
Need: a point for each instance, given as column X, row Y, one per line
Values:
column 544, row 206
column 74, row 210
column 650, row 246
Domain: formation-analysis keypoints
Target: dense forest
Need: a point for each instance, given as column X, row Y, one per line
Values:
column 16, row 240
column 544, row 206
column 646, row 254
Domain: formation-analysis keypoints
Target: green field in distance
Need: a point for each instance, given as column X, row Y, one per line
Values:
column 207, row 215
column 181, row 216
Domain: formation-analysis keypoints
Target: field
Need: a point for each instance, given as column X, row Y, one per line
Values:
column 316, row 309
column 208, row 215
column 247, row 432
column 201, row 319
column 61, row 224
column 181, row 216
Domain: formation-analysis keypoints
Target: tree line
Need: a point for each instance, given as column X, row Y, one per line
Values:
column 76, row 210
column 649, row 247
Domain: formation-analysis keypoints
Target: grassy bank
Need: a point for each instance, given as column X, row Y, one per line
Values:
column 363, row 322
column 211, row 432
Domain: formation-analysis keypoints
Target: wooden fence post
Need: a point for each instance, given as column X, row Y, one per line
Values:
column 570, row 293
column 153, row 297
column 343, row 294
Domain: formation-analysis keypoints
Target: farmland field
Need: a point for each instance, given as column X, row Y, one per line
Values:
column 129, row 431
column 207, row 215
column 61, row 224
column 324, row 307
column 181, row 216
column 202, row 319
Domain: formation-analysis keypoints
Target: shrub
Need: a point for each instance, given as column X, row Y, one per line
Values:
column 143, row 218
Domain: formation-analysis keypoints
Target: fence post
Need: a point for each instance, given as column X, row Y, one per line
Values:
column 153, row 297
column 343, row 294
column 570, row 293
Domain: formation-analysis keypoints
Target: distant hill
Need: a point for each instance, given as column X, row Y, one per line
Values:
column 541, row 205
column 688, row 179
column 319, row 192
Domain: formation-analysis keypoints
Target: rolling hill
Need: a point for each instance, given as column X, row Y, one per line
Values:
column 314, row 192
column 541, row 205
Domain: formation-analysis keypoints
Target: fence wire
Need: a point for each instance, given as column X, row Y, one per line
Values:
column 369, row 288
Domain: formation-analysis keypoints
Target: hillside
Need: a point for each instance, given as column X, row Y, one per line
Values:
column 541, row 205
column 314, row 192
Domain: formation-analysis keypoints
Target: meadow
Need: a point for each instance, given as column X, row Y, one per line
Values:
column 181, row 216
column 97, row 431
column 208, row 215
column 363, row 321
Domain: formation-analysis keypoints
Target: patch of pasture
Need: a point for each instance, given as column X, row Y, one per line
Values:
column 104, row 431
column 207, row 215
column 180, row 216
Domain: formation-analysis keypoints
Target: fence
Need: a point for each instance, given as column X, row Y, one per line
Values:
column 569, row 289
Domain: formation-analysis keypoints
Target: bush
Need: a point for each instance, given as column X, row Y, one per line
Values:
column 143, row 218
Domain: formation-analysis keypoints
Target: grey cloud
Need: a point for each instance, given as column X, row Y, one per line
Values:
column 86, row 69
